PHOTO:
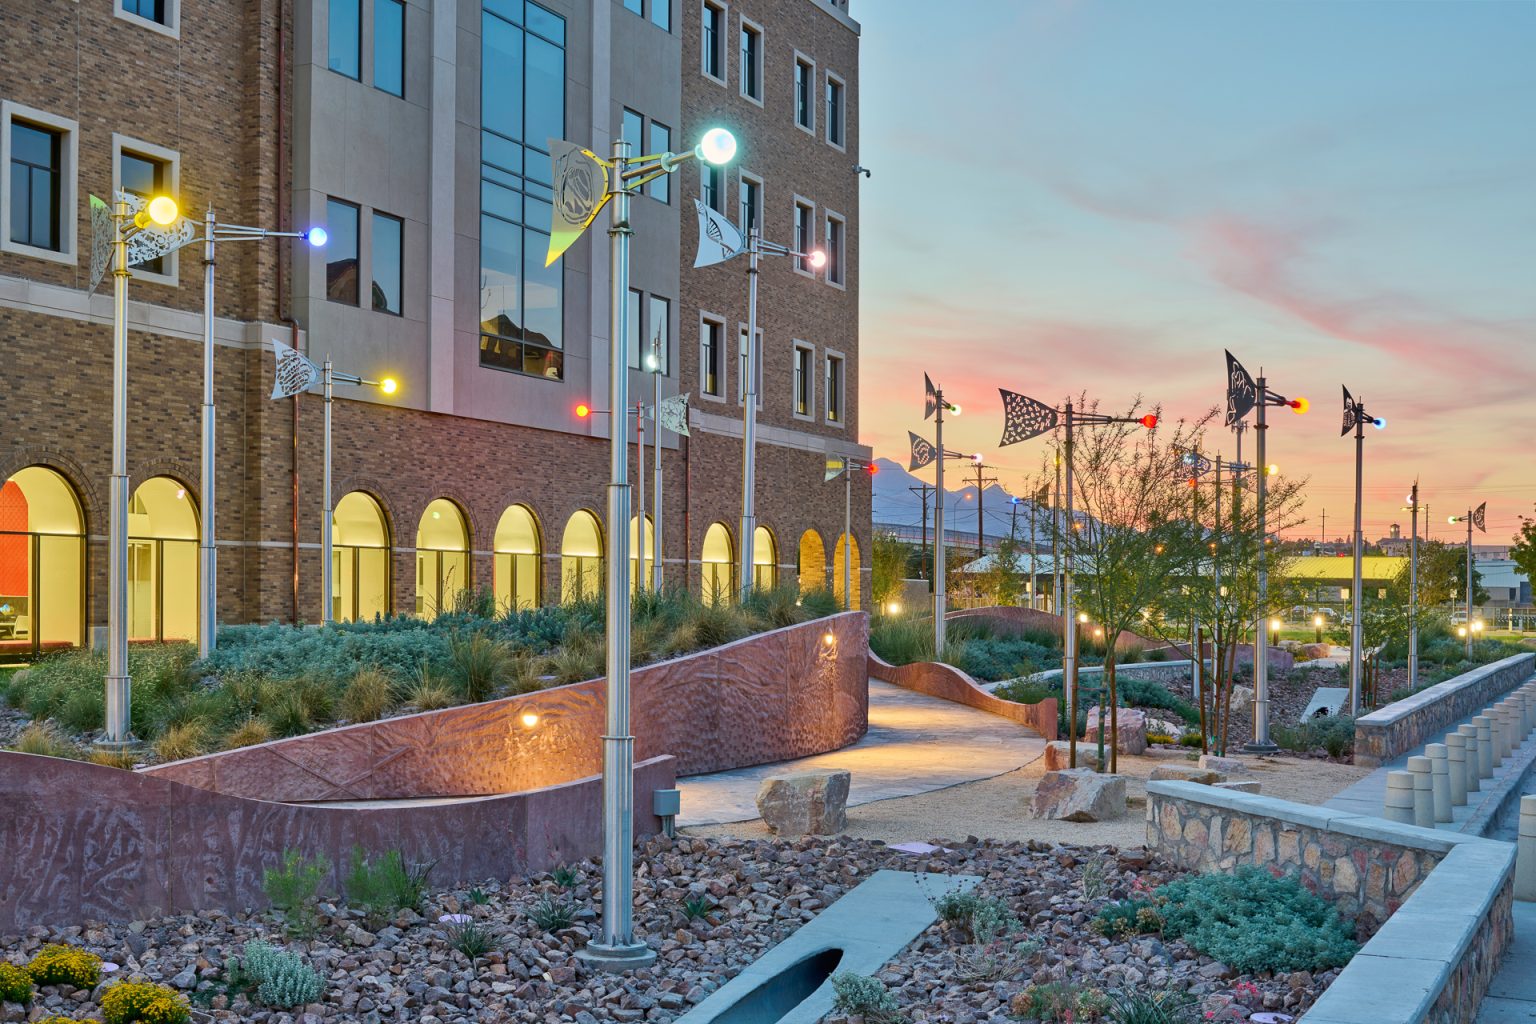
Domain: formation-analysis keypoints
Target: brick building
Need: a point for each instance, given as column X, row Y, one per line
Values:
column 416, row 134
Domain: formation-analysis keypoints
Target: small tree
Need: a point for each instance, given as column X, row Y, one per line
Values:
column 1003, row 582
column 888, row 564
column 1523, row 551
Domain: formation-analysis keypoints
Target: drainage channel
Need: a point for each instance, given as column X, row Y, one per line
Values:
column 791, row 983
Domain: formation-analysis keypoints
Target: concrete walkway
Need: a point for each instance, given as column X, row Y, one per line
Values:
column 915, row 744
column 1511, row 998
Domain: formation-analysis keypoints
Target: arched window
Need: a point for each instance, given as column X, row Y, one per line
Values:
column 162, row 562
column 765, row 559
column 359, row 559
column 634, row 553
column 442, row 559
column 849, row 546
column 42, row 564
column 718, row 559
column 581, row 558
column 515, row 567
column 812, row 563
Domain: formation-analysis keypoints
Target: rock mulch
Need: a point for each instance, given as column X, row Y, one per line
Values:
column 749, row 894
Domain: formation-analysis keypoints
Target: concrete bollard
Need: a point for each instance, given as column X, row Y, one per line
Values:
column 1440, row 779
column 1468, row 735
column 1485, row 759
column 1399, row 802
column 1456, row 767
column 1525, row 850
column 1422, row 770
column 1495, row 736
column 1513, row 734
column 1523, row 702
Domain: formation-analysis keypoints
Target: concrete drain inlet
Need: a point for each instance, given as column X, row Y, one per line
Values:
column 791, row 983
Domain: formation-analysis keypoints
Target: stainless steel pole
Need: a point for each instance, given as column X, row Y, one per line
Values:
column 1068, row 615
column 207, row 595
column 848, row 537
column 749, row 422
column 938, row 532
column 656, row 529
column 1056, row 541
column 1261, row 742
column 1194, row 615
column 1469, row 584
column 327, row 611
column 640, row 575
column 1413, row 594
column 1356, row 630
column 118, row 732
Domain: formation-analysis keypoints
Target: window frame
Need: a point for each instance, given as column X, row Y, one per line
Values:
column 665, row 5
column 841, row 145
column 748, row 25
column 373, row 50
column 171, row 27
column 802, row 60
column 325, row 264
column 666, row 339
column 710, row 172
column 834, row 356
column 374, row 215
column 808, row 350
column 802, row 267
column 720, row 46
column 741, row 365
column 743, row 178
column 718, row 322
column 840, row 264
column 329, row 35
column 69, row 157
column 663, row 183
column 170, row 269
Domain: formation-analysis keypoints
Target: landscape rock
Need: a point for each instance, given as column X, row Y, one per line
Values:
column 1079, row 794
column 1242, row 699
column 1058, row 756
column 1131, row 727
column 1185, row 773
column 1240, row 785
column 805, row 803
column 1225, row 765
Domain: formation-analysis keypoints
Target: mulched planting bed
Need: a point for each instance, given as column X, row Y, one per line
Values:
column 751, row 894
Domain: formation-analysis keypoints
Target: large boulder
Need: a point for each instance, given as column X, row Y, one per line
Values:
column 1225, row 765
column 1242, row 699
column 1058, row 755
column 1185, row 773
column 1131, row 726
column 808, row 802
column 1079, row 794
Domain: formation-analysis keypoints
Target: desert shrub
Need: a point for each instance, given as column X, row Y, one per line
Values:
column 1334, row 734
column 65, row 965
column 470, row 938
column 776, row 608
column 247, row 733
column 1157, row 654
column 1143, row 693
column 860, row 994
column 127, row 1002
column 479, row 665
column 180, row 741
column 1061, row 1001
column 1161, row 737
column 577, row 661
column 993, row 658
column 552, row 914
column 696, row 908
column 1127, row 917
column 564, row 876
column 1253, row 921
column 294, row 887
column 384, row 886
column 46, row 739
column 901, row 641
column 1024, row 691
column 282, row 979
column 428, row 694
column 955, row 906
column 125, row 760
column 367, row 695
column 15, row 984
column 819, row 603
column 1171, row 1006
column 1191, row 738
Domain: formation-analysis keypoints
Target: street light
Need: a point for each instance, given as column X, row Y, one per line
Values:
column 1472, row 517
column 844, row 467
column 1413, row 590
column 1317, row 623
column 1355, row 418
column 583, row 184
column 935, row 405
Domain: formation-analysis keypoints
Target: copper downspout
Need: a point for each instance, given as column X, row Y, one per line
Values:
column 284, row 218
column 687, row 509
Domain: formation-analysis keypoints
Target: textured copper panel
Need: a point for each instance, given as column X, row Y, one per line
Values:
column 937, row 679
column 83, row 842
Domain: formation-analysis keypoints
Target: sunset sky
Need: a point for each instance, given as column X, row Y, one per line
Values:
column 1101, row 196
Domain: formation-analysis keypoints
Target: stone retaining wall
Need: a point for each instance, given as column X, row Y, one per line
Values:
column 1155, row 671
column 946, row 682
column 1409, row 723
column 1010, row 621
column 1439, row 903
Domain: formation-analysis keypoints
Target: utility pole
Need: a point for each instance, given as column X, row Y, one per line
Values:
column 923, row 490
column 1323, row 540
column 981, row 483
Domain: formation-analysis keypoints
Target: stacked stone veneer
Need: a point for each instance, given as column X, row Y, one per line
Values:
column 946, row 682
column 1437, row 902
column 1408, row 724
column 1155, row 671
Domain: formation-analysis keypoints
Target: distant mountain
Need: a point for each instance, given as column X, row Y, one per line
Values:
column 899, row 508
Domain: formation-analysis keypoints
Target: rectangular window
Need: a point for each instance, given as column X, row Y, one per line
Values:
column 388, row 241
column 659, row 336
column 341, row 268
column 835, row 110
column 712, row 187
column 710, row 382
column 661, row 142
column 750, row 209
column 632, row 131
column 834, row 388
column 345, row 53
column 389, row 46
column 804, row 393
column 144, row 177
column 805, row 94
column 634, row 328
column 661, row 14
column 149, row 10
column 712, row 41
column 37, row 184
column 741, row 366
column 805, row 235
column 836, row 257
column 751, row 61
column 637, row 6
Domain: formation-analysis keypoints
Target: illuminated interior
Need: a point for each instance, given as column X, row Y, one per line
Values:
column 515, row 567
column 442, row 559
column 852, row 544
column 717, row 559
column 581, row 558
column 42, row 559
column 162, row 562
column 765, row 559
column 359, row 559
column 812, row 562
column 634, row 551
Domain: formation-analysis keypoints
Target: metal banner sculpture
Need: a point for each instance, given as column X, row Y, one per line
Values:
column 835, row 467
column 719, row 239
column 1024, row 418
column 295, row 373
column 923, row 453
column 101, row 241
column 930, row 398
column 673, row 414
column 1351, row 414
column 1478, row 519
column 1194, row 465
column 581, row 191
column 1242, row 393
column 149, row 242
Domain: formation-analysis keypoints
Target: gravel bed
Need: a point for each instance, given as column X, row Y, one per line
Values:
column 757, row 892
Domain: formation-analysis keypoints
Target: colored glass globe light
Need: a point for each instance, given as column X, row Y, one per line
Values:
column 389, row 385
column 1299, row 405
column 583, row 411
column 717, row 147
column 1149, row 421
column 316, row 236
column 818, row 259
column 163, row 211
column 1379, row 423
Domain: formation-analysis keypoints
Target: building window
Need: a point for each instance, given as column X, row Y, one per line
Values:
column 805, row 387
column 37, row 186
column 661, row 14
column 710, row 375
column 341, row 270
column 741, row 366
column 751, row 61
column 389, row 46
column 836, row 251
column 637, row 6
column 649, row 326
column 712, row 187
column 659, row 336
column 632, row 131
column 522, row 104
column 834, row 388
column 161, row 16
column 345, row 52
column 805, row 94
column 634, row 329
column 661, row 142
column 388, row 239
column 712, row 41
column 750, row 212
column 145, row 177
column 835, row 113
column 805, row 235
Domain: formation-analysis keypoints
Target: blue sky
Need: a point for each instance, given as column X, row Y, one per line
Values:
column 1072, row 195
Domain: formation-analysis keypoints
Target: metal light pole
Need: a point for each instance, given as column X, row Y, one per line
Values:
column 1413, row 591
column 935, row 405
column 1472, row 517
column 1355, row 418
column 656, row 375
column 641, row 578
column 848, row 538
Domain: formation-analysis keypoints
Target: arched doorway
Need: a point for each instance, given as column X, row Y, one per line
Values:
column 811, row 563
column 581, row 558
column 442, row 559
column 515, row 565
column 42, row 564
column 765, row 559
column 852, row 570
column 718, row 560
column 634, row 553
column 162, row 562
column 359, row 559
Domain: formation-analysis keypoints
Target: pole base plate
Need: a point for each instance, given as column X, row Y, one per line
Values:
column 613, row 959
column 125, row 746
column 1260, row 748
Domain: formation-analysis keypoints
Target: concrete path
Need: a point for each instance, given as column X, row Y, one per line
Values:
column 915, row 744
column 1511, row 997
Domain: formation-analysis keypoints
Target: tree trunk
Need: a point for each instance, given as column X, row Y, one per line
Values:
column 1197, row 668
column 1114, row 707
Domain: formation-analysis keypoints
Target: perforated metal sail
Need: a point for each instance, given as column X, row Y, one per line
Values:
column 836, row 466
column 923, row 453
column 719, row 239
column 1351, row 413
column 1024, row 418
column 1242, row 393
column 673, row 414
column 1477, row 517
column 295, row 372
column 930, row 398
column 101, row 240
column 1193, row 464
